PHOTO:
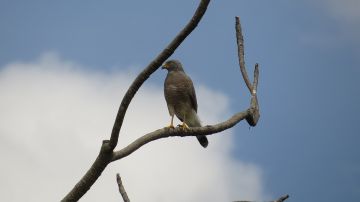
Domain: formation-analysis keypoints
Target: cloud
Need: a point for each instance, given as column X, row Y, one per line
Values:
column 345, row 19
column 347, row 10
column 335, row 29
column 54, row 115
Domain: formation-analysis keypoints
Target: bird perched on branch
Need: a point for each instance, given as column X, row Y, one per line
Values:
column 180, row 97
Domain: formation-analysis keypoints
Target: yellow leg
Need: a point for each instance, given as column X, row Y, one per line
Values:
column 172, row 122
column 184, row 125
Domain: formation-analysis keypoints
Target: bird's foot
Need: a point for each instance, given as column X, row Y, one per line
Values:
column 184, row 126
column 171, row 126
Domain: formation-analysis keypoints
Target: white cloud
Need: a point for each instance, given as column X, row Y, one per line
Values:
column 345, row 17
column 347, row 10
column 54, row 115
column 338, row 26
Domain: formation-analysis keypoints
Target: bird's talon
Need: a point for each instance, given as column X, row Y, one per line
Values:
column 184, row 126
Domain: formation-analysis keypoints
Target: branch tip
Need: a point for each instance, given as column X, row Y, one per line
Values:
column 256, row 79
column 121, row 188
column 283, row 198
column 240, row 45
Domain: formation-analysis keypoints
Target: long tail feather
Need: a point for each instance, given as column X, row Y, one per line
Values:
column 194, row 121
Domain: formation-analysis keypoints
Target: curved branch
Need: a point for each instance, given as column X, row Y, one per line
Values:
column 154, row 65
column 240, row 44
column 90, row 177
column 108, row 146
column 179, row 132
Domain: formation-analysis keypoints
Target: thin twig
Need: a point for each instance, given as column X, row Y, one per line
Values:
column 256, row 79
column 122, row 189
column 240, row 44
column 281, row 199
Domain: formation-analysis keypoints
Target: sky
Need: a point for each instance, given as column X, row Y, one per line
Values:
column 64, row 67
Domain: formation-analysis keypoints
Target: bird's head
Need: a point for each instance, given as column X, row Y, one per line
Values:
column 172, row 65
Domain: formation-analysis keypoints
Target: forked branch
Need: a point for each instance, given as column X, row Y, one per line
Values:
column 254, row 116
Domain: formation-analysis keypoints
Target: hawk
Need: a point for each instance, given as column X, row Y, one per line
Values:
column 180, row 98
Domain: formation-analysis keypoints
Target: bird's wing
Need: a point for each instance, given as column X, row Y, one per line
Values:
column 192, row 94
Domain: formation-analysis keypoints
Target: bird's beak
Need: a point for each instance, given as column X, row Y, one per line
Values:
column 164, row 66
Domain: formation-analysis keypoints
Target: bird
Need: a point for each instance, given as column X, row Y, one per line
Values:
column 180, row 98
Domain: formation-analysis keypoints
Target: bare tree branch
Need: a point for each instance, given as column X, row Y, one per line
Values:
column 254, row 105
column 90, row 177
column 240, row 44
column 121, row 188
column 281, row 199
column 256, row 79
column 105, row 154
column 169, row 132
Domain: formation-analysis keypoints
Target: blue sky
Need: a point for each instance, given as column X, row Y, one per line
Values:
column 305, row 143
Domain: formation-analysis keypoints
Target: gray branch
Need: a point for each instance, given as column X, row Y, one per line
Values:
column 255, row 113
column 281, row 199
column 240, row 45
column 122, row 189
column 169, row 132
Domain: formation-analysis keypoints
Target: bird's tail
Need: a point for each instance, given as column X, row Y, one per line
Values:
column 203, row 140
column 194, row 121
